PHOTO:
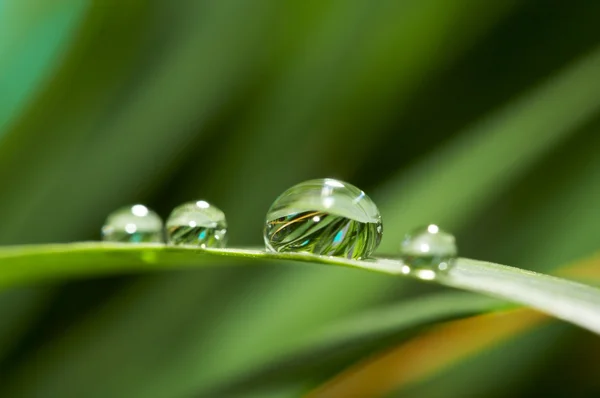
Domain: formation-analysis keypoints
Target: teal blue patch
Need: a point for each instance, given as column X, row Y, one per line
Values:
column 136, row 238
column 338, row 237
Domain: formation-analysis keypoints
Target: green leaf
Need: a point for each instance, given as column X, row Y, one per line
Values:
column 570, row 301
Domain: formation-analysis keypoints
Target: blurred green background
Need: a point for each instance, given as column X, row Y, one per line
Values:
column 482, row 116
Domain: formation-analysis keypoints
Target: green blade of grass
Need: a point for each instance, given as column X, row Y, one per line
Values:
column 563, row 299
column 567, row 300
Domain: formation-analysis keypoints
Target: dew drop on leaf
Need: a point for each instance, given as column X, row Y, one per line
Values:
column 325, row 217
column 133, row 224
column 198, row 224
column 427, row 251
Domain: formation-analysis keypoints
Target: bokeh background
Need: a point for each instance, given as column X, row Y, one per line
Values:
column 482, row 116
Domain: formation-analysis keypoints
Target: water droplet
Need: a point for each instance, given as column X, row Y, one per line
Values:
column 326, row 217
column 133, row 224
column 428, row 250
column 197, row 224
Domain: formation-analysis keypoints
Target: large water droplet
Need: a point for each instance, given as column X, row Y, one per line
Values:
column 197, row 224
column 326, row 217
column 428, row 250
column 133, row 224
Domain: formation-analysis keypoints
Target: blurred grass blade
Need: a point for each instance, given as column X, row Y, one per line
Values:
column 428, row 353
column 19, row 308
column 391, row 318
column 32, row 163
column 31, row 41
column 491, row 154
column 358, row 336
column 570, row 301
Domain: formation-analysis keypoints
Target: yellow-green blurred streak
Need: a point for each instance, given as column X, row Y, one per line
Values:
column 32, row 38
column 430, row 352
column 494, row 371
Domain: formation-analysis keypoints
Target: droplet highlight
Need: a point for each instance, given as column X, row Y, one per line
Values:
column 197, row 224
column 326, row 217
column 427, row 251
column 133, row 224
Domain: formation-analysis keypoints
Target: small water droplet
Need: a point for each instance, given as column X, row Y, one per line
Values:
column 198, row 224
column 133, row 224
column 325, row 217
column 427, row 251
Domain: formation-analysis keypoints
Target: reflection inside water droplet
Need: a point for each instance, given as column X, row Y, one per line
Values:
column 133, row 224
column 198, row 224
column 325, row 217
